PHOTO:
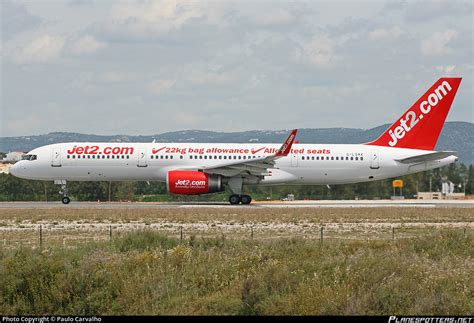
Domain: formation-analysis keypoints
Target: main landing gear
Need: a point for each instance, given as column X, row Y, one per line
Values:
column 64, row 191
column 237, row 198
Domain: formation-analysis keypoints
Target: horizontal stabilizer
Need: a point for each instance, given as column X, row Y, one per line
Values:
column 426, row 157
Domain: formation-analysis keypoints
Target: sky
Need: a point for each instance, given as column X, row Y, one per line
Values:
column 148, row 67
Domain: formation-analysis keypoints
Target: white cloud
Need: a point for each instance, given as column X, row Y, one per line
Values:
column 446, row 70
column 43, row 49
column 437, row 43
column 214, row 58
column 269, row 16
column 86, row 45
column 385, row 33
column 162, row 86
column 320, row 50
column 208, row 74
column 16, row 19
column 114, row 77
column 427, row 10
column 154, row 18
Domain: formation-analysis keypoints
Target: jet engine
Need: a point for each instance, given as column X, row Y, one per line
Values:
column 186, row 182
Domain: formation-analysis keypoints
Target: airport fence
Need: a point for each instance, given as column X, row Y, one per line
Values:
column 41, row 235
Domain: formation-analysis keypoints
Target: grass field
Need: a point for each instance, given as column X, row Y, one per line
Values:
column 218, row 269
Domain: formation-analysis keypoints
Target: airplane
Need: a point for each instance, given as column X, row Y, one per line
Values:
column 406, row 147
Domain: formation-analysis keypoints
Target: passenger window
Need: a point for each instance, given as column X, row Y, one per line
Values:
column 166, row 157
column 220, row 157
column 108, row 156
column 352, row 158
column 171, row 157
column 357, row 158
column 73, row 156
column 361, row 158
column 68, row 156
column 200, row 157
column 302, row 157
column 332, row 157
column 181, row 157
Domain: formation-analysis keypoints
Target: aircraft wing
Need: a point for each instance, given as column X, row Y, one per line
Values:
column 255, row 166
column 426, row 157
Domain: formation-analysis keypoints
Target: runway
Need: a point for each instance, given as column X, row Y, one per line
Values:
column 258, row 204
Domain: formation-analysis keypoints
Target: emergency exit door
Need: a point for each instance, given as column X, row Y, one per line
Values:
column 374, row 160
column 142, row 158
column 56, row 158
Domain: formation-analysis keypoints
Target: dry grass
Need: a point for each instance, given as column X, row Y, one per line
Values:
column 315, row 215
column 148, row 273
column 217, row 269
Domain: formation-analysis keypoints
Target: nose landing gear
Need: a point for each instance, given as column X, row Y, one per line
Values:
column 64, row 191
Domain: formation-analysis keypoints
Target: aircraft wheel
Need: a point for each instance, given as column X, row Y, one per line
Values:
column 234, row 199
column 66, row 200
column 245, row 199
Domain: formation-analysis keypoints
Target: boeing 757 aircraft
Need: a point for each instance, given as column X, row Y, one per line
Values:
column 198, row 168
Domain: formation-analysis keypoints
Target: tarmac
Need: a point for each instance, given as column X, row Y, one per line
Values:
column 255, row 204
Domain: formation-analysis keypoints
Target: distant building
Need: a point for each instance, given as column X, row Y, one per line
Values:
column 13, row 157
column 4, row 168
column 447, row 187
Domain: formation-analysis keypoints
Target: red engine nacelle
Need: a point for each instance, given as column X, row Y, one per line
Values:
column 187, row 182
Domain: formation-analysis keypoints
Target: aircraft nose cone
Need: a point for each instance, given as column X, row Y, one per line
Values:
column 12, row 170
column 15, row 170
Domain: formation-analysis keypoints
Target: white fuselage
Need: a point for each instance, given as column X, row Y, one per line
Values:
column 306, row 163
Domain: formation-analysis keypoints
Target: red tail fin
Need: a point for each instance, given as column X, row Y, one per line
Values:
column 419, row 127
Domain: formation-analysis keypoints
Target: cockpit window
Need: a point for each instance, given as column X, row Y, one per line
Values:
column 29, row 157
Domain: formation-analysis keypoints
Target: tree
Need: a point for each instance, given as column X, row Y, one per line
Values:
column 470, row 181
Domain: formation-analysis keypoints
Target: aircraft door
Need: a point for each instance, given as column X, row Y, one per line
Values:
column 294, row 160
column 142, row 158
column 56, row 157
column 374, row 160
